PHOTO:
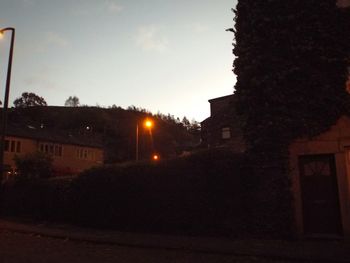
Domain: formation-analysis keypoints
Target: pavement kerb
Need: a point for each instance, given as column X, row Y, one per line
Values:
column 305, row 251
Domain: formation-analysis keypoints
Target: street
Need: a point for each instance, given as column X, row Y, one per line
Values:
column 18, row 247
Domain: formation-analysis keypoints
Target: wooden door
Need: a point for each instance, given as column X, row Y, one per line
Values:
column 320, row 199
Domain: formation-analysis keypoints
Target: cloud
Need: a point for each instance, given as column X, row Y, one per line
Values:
column 113, row 7
column 148, row 38
column 200, row 28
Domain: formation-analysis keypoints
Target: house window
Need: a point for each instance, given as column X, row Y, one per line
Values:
column 7, row 145
column 12, row 146
column 51, row 149
column 58, row 150
column 18, row 147
column 226, row 133
column 85, row 154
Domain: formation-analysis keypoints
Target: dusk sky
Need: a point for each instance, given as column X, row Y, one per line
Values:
column 163, row 55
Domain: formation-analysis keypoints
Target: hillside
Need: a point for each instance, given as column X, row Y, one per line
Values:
column 115, row 128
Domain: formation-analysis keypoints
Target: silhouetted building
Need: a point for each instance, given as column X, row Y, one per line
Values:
column 319, row 169
column 223, row 127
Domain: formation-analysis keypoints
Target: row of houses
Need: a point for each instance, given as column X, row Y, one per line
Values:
column 319, row 170
column 71, row 154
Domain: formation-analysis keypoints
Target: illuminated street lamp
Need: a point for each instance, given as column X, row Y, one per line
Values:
column 6, row 99
column 155, row 157
column 148, row 124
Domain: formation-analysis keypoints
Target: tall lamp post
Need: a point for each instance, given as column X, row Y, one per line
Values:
column 6, row 100
column 148, row 124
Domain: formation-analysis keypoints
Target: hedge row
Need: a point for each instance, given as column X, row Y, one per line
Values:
column 208, row 193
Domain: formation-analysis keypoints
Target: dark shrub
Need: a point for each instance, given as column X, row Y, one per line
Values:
column 33, row 166
column 212, row 192
column 37, row 199
column 195, row 194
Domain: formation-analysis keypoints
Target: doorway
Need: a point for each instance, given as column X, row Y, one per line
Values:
column 320, row 198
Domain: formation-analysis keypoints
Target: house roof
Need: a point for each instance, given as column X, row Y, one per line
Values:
column 221, row 98
column 63, row 137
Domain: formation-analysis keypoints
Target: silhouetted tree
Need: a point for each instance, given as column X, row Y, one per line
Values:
column 186, row 123
column 29, row 99
column 291, row 66
column 194, row 127
column 72, row 101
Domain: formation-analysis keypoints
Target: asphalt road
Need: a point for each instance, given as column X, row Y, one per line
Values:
column 27, row 248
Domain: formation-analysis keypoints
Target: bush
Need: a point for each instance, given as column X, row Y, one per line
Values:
column 33, row 166
column 36, row 199
column 191, row 195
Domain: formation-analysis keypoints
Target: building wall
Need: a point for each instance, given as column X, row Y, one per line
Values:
column 223, row 127
column 219, row 104
column 336, row 141
column 70, row 159
column 27, row 146
column 74, row 159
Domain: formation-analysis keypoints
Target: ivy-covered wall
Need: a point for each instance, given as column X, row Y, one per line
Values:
column 291, row 66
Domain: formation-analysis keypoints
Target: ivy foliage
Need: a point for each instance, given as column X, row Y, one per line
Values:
column 291, row 66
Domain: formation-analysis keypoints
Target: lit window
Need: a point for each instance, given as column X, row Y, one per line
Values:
column 225, row 133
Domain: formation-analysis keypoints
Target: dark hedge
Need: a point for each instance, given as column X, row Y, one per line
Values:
column 207, row 193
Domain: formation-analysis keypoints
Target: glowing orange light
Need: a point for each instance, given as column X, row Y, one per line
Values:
column 148, row 123
column 155, row 157
column 1, row 34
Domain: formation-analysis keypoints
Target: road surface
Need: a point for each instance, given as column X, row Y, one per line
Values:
column 18, row 247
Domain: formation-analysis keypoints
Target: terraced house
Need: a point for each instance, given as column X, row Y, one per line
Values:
column 71, row 154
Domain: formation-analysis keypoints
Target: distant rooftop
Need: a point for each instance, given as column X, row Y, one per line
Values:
column 63, row 137
column 221, row 98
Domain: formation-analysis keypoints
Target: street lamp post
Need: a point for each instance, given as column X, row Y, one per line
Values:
column 148, row 124
column 6, row 100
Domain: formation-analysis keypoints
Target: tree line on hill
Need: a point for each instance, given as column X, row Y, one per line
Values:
column 30, row 99
column 113, row 128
